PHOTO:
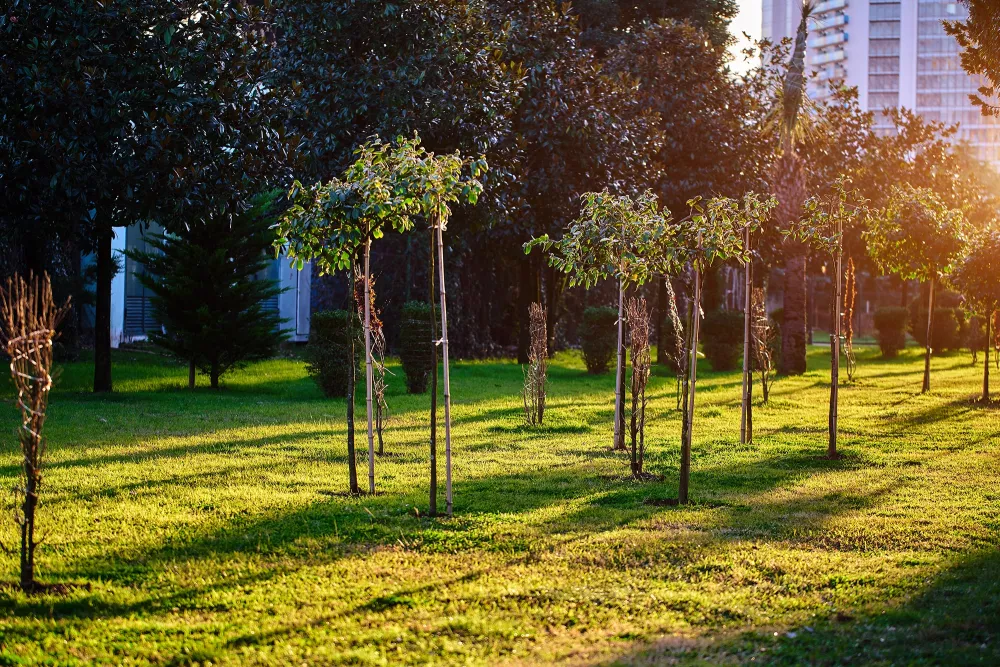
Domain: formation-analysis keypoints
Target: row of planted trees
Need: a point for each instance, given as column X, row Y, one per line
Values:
column 631, row 241
column 392, row 187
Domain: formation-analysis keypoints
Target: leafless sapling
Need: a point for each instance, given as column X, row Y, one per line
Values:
column 850, row 298
column 30, row 317
column 764, row 337
column 379, row 371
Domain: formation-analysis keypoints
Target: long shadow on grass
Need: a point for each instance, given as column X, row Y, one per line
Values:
column 954, row 621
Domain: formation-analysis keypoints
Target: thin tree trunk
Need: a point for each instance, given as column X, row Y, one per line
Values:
column 102, row 314
column 745, row 433
column 525, row 295
column 930, row 332
column 409, row 267
column 685, row 472
column 661, row 316
column 831, row 451
column 986, row 362
column 369, row 371
column 191, row 374
column 434, row 380
column 620, row 373
column 28, row 543
column 352, row 463
column 447, row 379
column 555, row 288
column 214, row 375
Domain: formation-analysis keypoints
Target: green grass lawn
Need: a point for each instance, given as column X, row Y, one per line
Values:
column 214, row 528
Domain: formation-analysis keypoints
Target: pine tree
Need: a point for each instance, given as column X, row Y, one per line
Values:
column 208, row 294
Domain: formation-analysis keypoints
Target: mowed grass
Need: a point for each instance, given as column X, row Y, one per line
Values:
column 214, row 529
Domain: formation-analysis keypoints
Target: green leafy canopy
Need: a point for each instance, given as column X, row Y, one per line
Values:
column 916, row 236
column 387, row 185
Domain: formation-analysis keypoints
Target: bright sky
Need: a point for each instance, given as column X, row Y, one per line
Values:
column 747, row 21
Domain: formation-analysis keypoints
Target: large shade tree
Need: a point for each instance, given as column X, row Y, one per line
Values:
column 118, row 112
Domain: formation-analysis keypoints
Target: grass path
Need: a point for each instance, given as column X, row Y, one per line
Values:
column 214, row 528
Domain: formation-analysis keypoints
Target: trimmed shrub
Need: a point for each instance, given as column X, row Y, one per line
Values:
column 722, row 338
column 891, row 326
column 415, row 345
column 328, row 354
column 949, row 325
column 599, row 338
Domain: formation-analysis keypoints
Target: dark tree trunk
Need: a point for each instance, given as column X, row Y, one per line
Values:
column 526, row 293
column 555, row 286
column 352, row 463
column 191, row 374
column 793, row 329
column 434, row 383
column 986, row 363
column 930, row 333
column 662, row 308
column 28, row 529
column 102, row 315
column 214, row 375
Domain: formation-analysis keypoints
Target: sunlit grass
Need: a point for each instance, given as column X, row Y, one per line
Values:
column 213, row 525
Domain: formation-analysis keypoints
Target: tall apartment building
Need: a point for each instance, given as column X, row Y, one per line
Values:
column 897, row 54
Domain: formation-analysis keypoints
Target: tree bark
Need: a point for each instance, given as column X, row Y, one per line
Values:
column 214, row 375
column 28, row 543
column 661, row 315
column 369, row 371
column 102, row 311
column 526, row 293
column 434, row 380
column 352, row 463
column 191, row 374
column 447, row 379
column 555, row 288
column 793, row 329
column 930, row 332
column 986, row 362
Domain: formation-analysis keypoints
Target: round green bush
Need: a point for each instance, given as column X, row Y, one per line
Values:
column 415, row 345
column 722, row 338
column 599, row 338
column 890, row 324
column 949, row 327
column 328, row 354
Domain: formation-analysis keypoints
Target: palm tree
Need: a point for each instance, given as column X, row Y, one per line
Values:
column 788, row 182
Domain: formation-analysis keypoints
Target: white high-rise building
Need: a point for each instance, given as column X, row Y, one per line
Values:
column 897, row 54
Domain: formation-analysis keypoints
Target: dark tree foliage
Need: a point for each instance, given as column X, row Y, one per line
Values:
column 705, row 143
column 979, row 37
column 355, row 69
column 209, row 292
column 606, row 22
column 122, row 111
column 579, row 126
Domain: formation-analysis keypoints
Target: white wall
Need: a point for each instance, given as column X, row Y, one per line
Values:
column 118, row 288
